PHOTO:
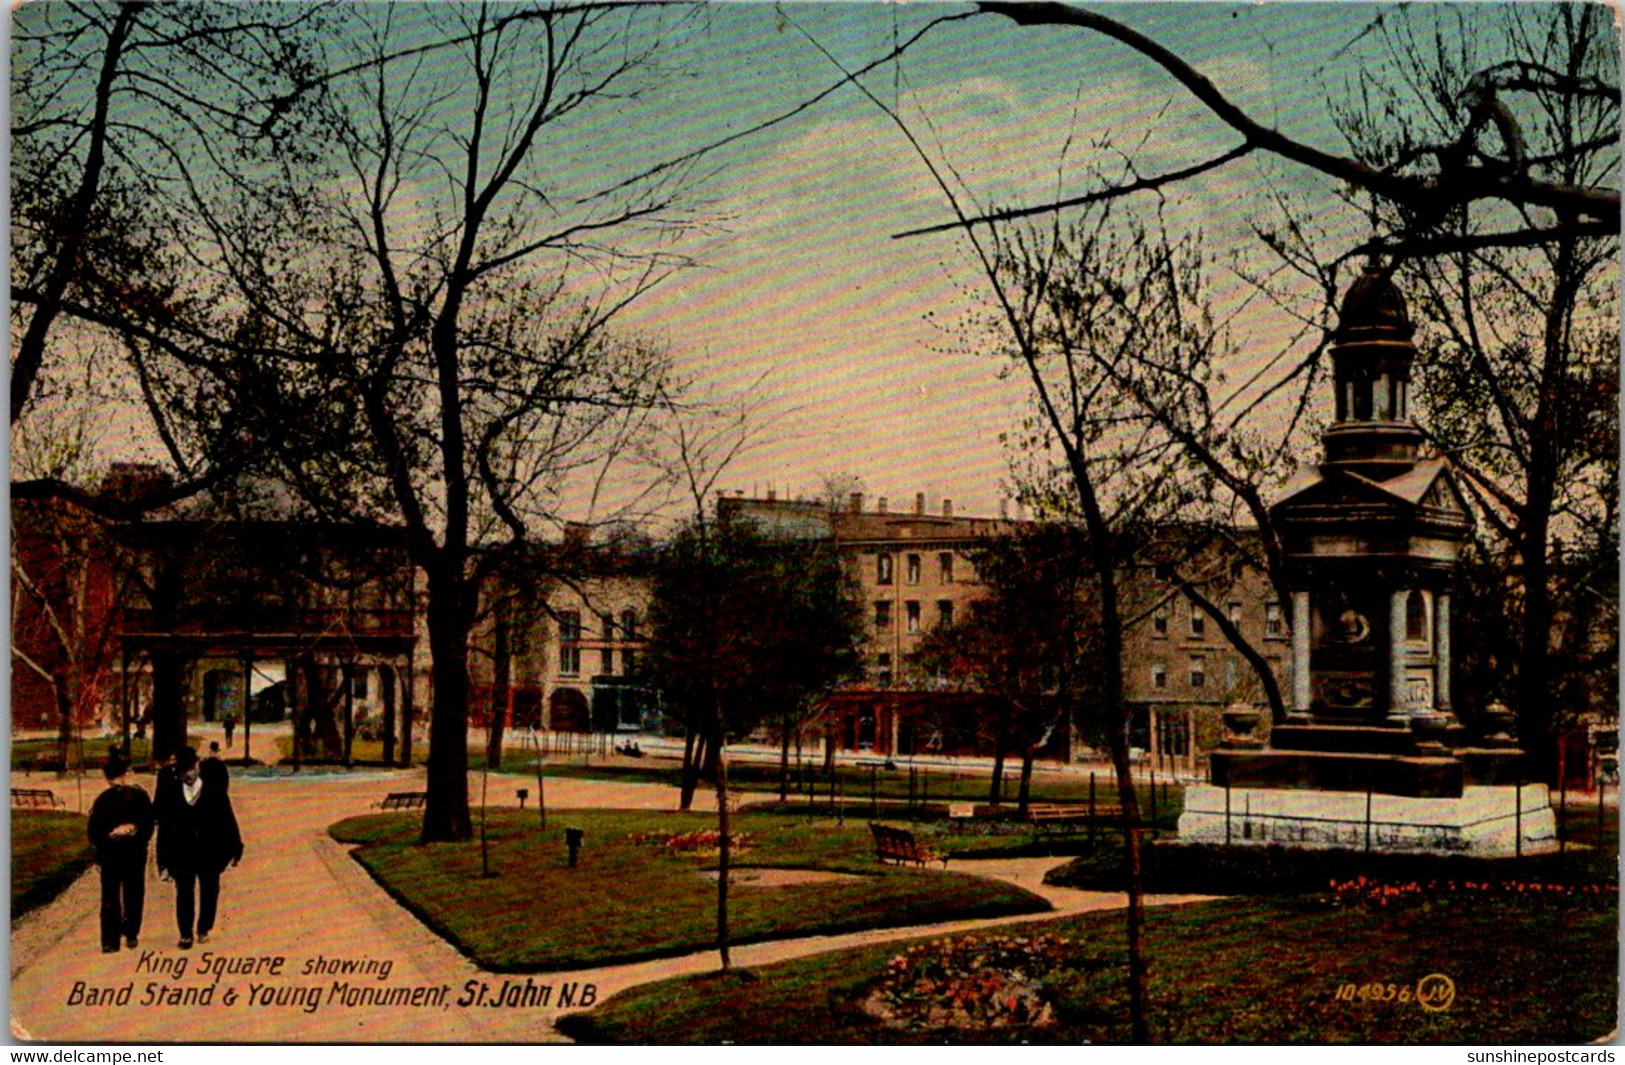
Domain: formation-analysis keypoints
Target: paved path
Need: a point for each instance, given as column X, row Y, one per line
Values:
column 299, row 897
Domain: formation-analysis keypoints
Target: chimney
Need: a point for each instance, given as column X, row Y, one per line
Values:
column 857, row 502
column 880, row 508
column 772, row 494
column 919, row 504
column 947, row 507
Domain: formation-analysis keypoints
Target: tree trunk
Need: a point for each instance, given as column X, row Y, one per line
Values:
column 995, row 794
column 1536, row 710
column 784, row 760
column 69, row 261
column 347, row 678
column 724, row 851
column 445, row 814
column 320, row 732
column 407, row 679
column 1025, row 792
column 501, row 673
column 1129, row 799
column 693, row 750
column 386, row 689
column 64, row 715
column 168, row 717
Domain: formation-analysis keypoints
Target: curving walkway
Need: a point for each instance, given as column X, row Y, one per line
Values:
column 300, row 898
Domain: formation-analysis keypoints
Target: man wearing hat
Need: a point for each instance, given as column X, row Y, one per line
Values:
column 120, row 827
column 197, row 839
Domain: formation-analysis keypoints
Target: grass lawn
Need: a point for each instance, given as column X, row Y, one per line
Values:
column 43, row 754
column 362, row 752
column 49, row 850
column 1231, row 971
column 855, row 784
column 630, row 898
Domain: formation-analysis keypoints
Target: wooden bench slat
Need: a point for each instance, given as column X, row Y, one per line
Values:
column 899, row 845
column 403, row 800
column 35, row 797
column 1046, row 814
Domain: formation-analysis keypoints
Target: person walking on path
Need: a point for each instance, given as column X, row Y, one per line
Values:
column 120, row 828
column 229, row 721
column 197, row 838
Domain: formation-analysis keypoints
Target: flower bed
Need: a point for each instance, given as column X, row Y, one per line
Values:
column 1380, row 894
column 706, row 839
column 970, row 982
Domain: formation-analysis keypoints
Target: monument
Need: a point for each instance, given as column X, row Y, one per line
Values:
column 1371, row 755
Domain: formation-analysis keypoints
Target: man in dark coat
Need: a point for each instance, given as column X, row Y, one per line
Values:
column 197, row 839
column 120, row 828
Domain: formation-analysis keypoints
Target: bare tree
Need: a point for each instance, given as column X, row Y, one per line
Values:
column 446, row 295
column 116, row 142
column 1476, row 159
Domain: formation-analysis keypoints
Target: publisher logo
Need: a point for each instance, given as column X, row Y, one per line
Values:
column 1435, row 992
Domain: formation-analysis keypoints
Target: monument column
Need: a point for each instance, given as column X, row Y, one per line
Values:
column 1396, row 653
column 1300, row 652
column 1441, row 652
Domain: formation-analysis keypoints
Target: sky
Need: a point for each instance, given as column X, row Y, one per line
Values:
column 862, row 336
column 859, row 351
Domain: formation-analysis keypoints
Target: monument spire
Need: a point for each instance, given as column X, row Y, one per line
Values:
column 1372, row 354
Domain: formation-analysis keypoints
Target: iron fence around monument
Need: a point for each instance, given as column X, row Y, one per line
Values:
column 1370, row 826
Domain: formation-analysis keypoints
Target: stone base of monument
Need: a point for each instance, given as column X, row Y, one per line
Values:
column 1482, row 822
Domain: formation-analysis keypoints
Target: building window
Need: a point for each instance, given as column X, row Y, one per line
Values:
column 1198, row 671
column 569, row 659
column 1159, row 676
column 629, row 624
column 606, row 625
column 882, row 614
column 883, row 670
column 1274, row 624
column 945, row 612
column 913, row 569
column 629, row 662
column 569, row 626
column 945, row 567
column 1233, row 612
column 913, row 609
column 1198, row 622
column 607, row 662
column 1159, row 621
column 882, row 569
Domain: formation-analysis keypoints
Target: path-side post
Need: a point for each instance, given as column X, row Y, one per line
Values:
column 1153, row 802
column 1091, row 809
column 1562, row 811
column 1368, row 820
column 1517, row 819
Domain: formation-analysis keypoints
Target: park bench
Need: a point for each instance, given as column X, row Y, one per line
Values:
column 403, row 800
column 899, row 845
column 1051, row 815
column 35, row 798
